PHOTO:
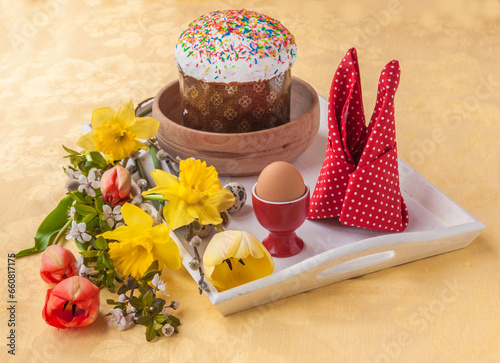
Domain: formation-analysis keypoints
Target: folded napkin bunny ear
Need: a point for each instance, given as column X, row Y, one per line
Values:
column 371, row 197
column 346, row 127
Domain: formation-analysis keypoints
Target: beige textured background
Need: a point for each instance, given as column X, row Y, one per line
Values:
column 60, row 59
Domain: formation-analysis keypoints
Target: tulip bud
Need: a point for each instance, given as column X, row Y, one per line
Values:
column 115, row 186
column 233, row 258
column 58, row 263
column 74, row 302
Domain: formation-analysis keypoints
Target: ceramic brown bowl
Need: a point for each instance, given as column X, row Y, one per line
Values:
column 238, row 154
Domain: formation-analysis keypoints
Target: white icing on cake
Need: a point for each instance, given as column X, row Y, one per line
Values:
column 235, row 46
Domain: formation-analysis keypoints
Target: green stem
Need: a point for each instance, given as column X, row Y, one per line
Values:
column 219, row 228
column 61, row 232
column 156, row 162
column 143, row 175
column 153, row 197
column 146, row 111
column 142, row 171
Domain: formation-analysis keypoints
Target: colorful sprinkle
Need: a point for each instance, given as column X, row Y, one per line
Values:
column 235, row 36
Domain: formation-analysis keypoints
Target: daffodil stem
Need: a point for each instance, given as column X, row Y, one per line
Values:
column 61, row 232
column 219, row 227
column 142, row 171
column 147, row 111
column 153, row 197
column 156, row 162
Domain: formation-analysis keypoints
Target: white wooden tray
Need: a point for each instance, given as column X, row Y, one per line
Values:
column 334, row 252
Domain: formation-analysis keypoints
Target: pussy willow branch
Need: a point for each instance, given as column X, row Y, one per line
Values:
column 202, row 274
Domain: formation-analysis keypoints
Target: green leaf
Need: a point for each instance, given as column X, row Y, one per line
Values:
column 174, row 321
column 153, row 267
column 110, row 282
column 88, row 218
column 148, row 276
column 136, row 302
column 150, row 332
column 107, row 261
column 71, row 152
column 147, row 299
column 151, row 272
column 97, row 158
column 100, row 243
column 91, row 253
column 118, row 278
column 159, row 318
column 92, row 224
column 99, row 203
column 122, row 290
column 159, row 303
column 84, row 209
column 132, row 283
column 157, row 326
column 77, row 196
column 51, row 225
column 144, row 288
column 83, row 247
column 144, row 320
column 104, row 226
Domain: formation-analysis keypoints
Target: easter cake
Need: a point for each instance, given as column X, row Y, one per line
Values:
column 234, row 72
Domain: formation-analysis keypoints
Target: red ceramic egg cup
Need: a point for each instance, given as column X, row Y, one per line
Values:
column 281, row 219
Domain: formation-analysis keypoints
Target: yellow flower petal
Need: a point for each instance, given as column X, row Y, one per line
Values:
column 124, row 233
column 206, row 214
column 162, row 178
column 130, row 259
column 86, row 142
column 250, row 245
column 176, row 214
column 135, row 216
column 114, row 141
column 196, row 172
column 144, row 127
column 125, row 115
column 167, row 185
column 233, row 258
column 224, row 200
column 196, row 194
column 101, row 115
column 140, row 145
column 166, row 252
column 222, row 246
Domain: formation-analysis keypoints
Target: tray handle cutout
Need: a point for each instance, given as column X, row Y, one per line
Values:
column 358, row 263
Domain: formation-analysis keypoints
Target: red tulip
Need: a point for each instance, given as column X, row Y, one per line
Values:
column 58, row 263
column 116, row 185
column 74, row 302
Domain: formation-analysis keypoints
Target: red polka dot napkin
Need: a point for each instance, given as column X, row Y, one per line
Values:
column 359, row 180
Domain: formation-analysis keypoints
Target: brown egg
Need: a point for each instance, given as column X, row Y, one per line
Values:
column 280, row 182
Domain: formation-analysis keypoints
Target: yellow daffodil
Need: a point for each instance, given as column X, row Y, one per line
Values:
column 233, row 258
column 114, row 133
column 196, row 194
column 140, row 243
